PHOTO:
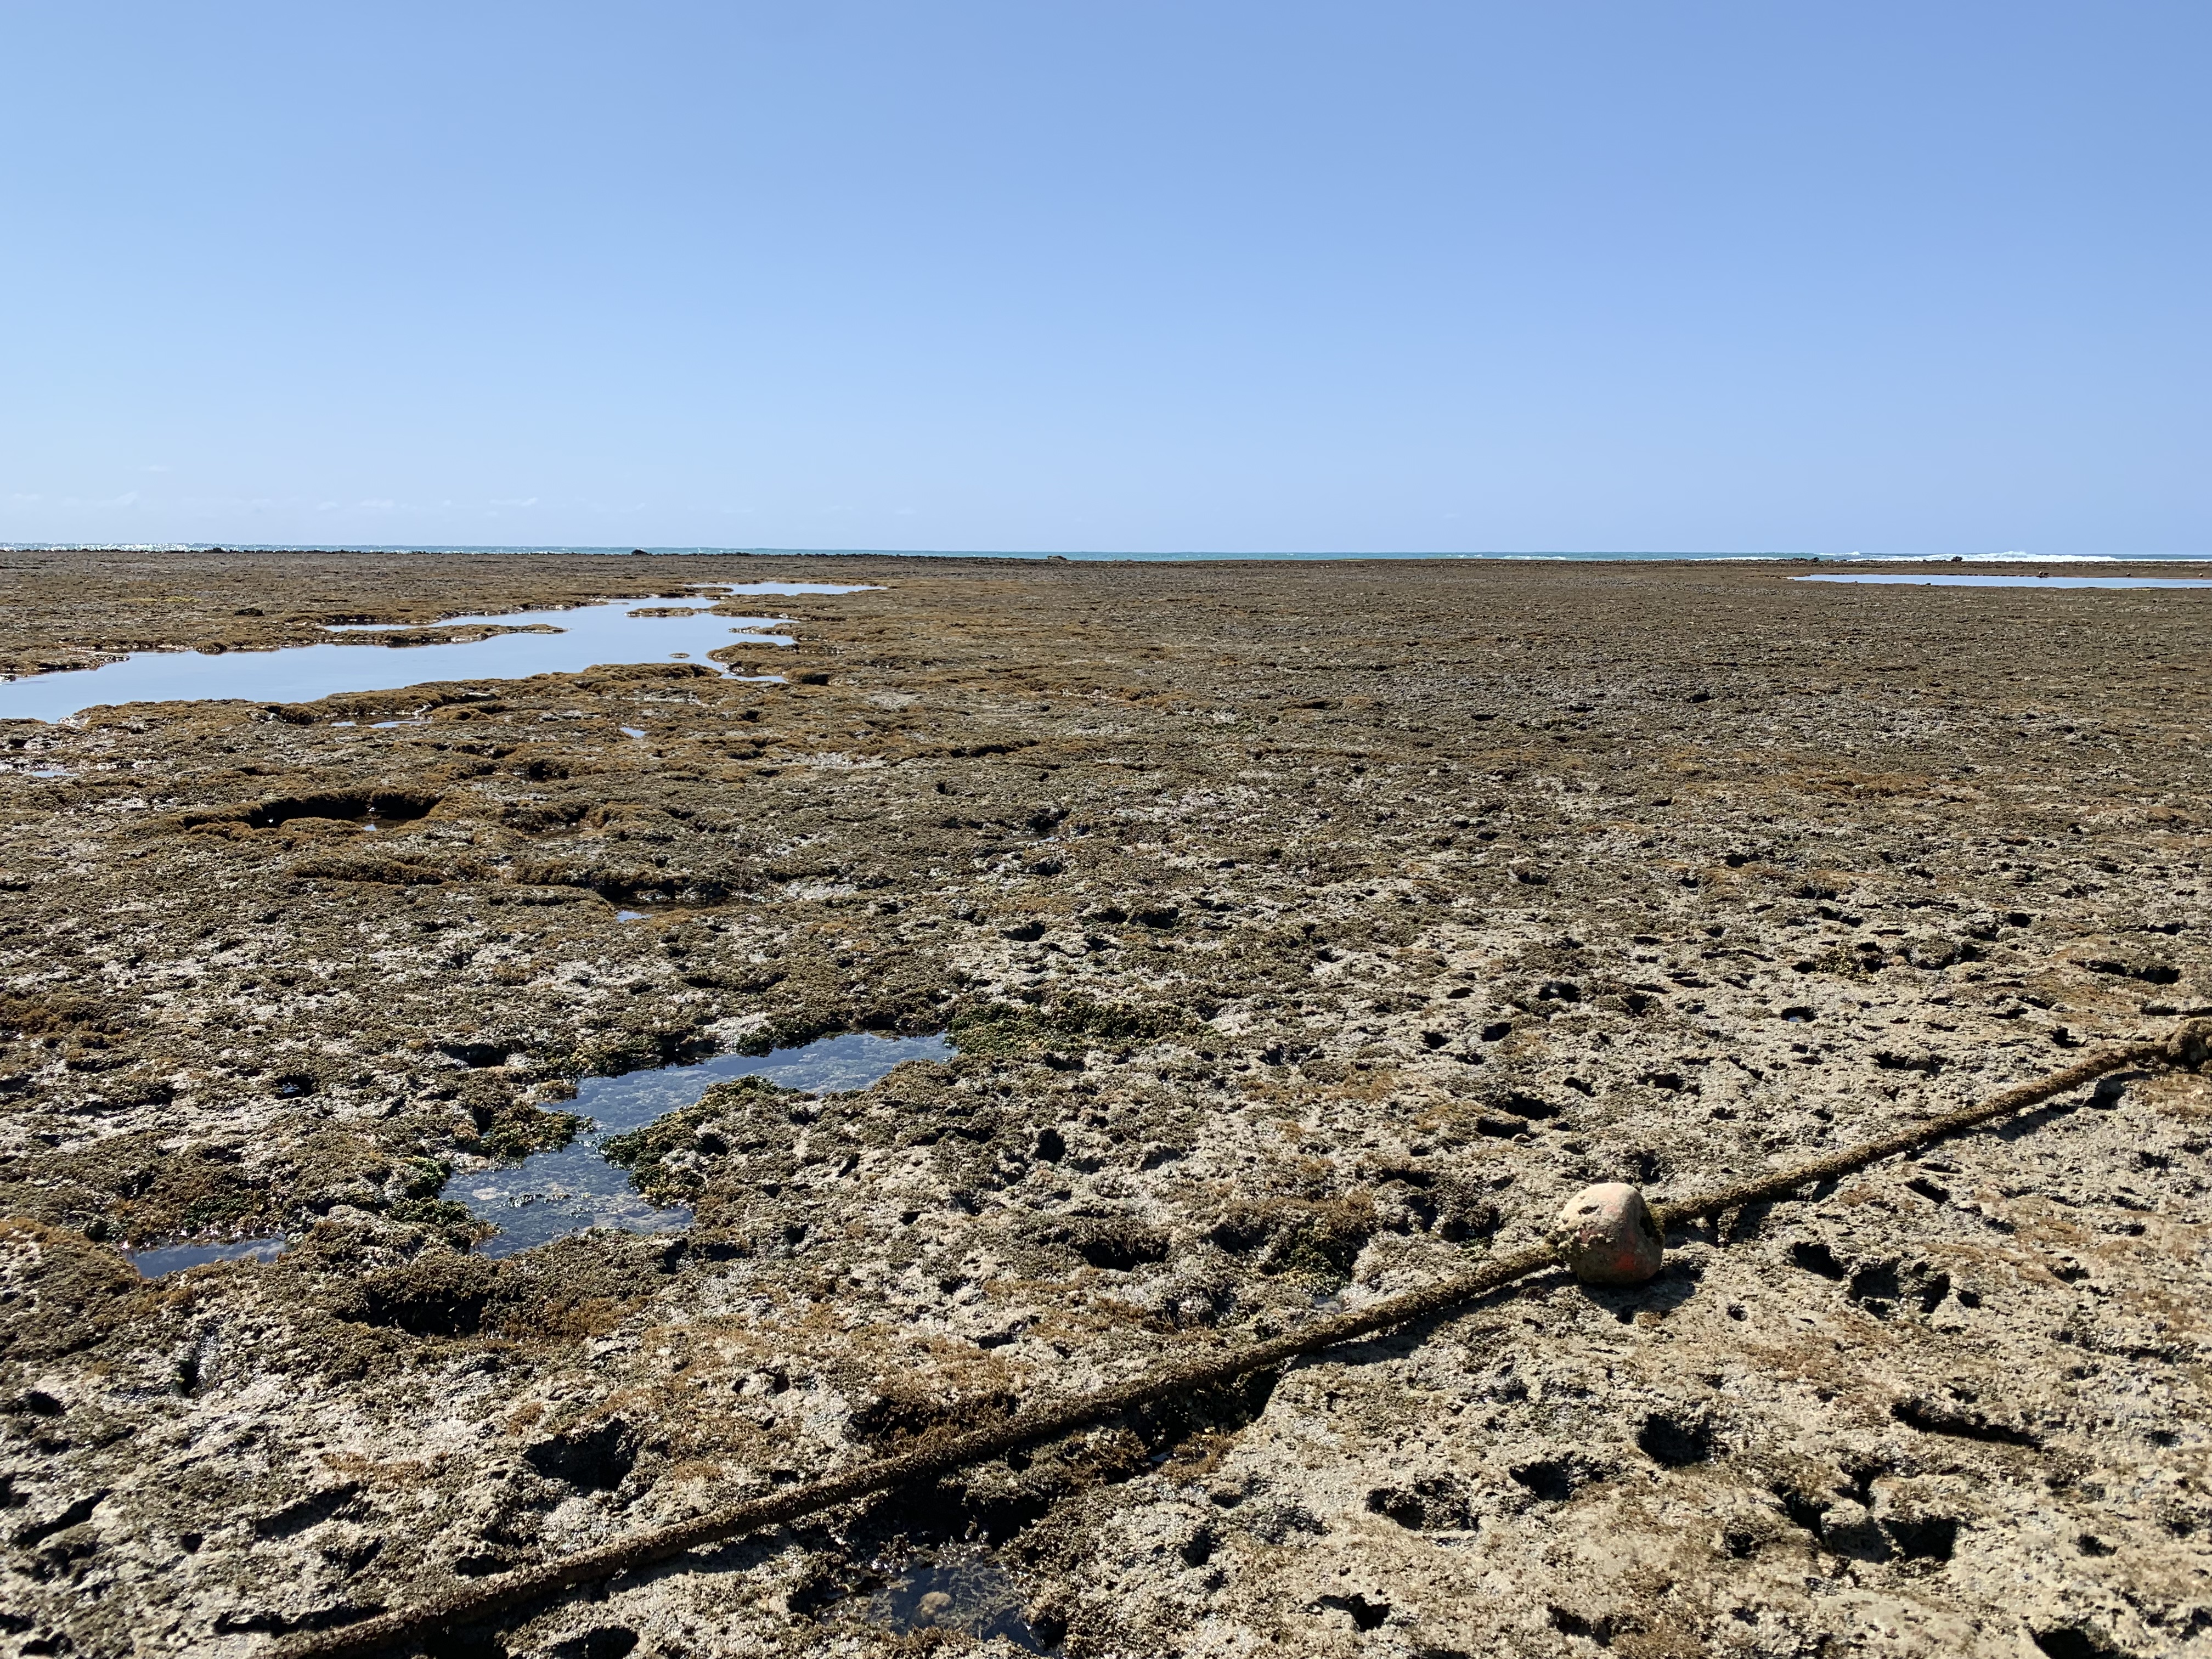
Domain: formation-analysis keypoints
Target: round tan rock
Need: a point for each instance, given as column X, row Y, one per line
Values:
column 1607, row 1234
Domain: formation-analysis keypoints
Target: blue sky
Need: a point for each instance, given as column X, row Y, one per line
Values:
column 1205, row 275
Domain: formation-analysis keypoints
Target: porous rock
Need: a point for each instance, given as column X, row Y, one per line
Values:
column 1607, row 1235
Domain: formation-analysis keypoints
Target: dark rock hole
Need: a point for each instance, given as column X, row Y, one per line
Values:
column 1675, row 1442
column 1365, row 1614
column 1930, row 1419
column 2072, row 1642
column 1120, row 1247
column 1931, row 1540
column 595, row 1459
column 1528, row 1106
column 1435, row 1504
column 1816, row 1258
column 1567, row 1623
column 1554, row 1479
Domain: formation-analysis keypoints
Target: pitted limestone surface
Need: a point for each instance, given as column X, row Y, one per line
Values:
column 1305, row 933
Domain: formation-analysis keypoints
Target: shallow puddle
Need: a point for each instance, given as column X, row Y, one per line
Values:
column 167, row 1259
column 549, row 1195
column 977, row 1597
column 636, row 906
column 736, row 589
column 588, row 636
column 1915, row 579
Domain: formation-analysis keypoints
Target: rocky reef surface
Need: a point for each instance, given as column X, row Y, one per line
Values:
column 1303, row 932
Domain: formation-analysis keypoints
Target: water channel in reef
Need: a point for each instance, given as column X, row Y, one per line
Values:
column 565, row 642
column 549, row 1195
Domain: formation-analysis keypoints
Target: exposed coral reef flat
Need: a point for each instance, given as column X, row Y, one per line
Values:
column 1301, row 932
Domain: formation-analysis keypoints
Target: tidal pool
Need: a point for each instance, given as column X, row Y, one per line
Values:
column 734, row 588
column 969, row 1592
column 549, row 1195
column 585, row 636
column 164, row 1259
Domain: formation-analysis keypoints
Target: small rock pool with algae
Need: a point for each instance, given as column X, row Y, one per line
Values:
column 549, row 1195
column 962, row 1590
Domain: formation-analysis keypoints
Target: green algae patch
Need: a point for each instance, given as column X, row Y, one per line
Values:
column 519, row 1129
column 650, row 1154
